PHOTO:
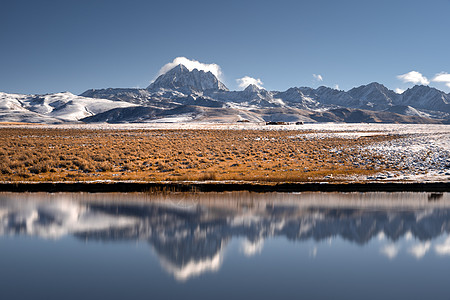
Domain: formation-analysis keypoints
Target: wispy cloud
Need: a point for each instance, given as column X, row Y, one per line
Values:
column 419, row 250
column 252, row 248
column 390, row 251
column 444, row 248
column 313, row 252
column 318, row 77
column 336, row 86
column 399, row 91
column 414, row 77
column 246, row 81
column 191, row 65
column 442, row 77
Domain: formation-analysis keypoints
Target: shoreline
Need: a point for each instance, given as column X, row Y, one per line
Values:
column 130, row 187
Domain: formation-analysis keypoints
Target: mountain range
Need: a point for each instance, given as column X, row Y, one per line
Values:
column 183, row 95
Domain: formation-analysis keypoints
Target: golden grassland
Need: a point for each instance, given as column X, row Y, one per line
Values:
column 40, row 154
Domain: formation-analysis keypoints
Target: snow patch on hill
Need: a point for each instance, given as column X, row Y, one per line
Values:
column 60, row 106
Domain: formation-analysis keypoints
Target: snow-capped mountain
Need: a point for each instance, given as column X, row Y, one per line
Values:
column 425, row 97
column 54, row 108
column 177, row 83
column 137, row 96
column 374, row 96
column 295, row 97
column 251, row 97
column 332, row 97
column 181, row 79
column 196, row 95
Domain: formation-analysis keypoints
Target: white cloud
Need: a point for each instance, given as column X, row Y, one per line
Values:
column 246, row 81
column 419, row 250
column 399, row 91
column 68, row 218
column 252, row 248
column 442, row 77
column 336, row 87
column 193, row 268
column 313, row 252
column 390, row 251
column 318, row 77
column 444, row 248
column 408, row 236
column 191, row 65
column 414, row 77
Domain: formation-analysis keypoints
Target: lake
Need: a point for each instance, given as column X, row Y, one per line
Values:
column 225, row 246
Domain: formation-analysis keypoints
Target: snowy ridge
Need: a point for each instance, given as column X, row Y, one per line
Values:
column 61, row 106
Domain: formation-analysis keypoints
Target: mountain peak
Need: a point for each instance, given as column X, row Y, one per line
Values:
column 325, row 88
column 375, row 84
column 370, row 86
column 181, row 79
column 252, row 88
column 375, row 96
column 179, row 68
column 426, row 97
column 422, row 88
column 425, row 91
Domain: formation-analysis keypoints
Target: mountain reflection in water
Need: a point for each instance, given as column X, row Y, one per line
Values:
column 190, row 232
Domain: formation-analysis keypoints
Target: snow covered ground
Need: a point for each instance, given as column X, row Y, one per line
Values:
column 423, row 156
column 331, row 128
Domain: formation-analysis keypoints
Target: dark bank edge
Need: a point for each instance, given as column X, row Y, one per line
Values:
column 128, row 187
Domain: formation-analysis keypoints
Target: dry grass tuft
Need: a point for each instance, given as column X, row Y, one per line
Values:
column 40, row 154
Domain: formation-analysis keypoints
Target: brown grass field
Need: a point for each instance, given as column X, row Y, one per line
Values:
column 40, row 154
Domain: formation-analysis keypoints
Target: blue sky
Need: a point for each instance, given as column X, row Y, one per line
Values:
column 53, row 46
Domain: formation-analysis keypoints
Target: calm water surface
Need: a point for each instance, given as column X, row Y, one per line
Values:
column 225, row 246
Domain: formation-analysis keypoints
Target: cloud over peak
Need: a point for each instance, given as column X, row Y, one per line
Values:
column 414, row 77
column 247, row 80
column 442, row 77
column 191, row 65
